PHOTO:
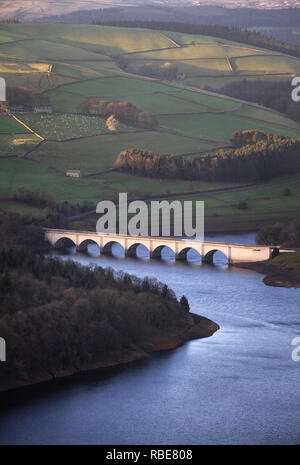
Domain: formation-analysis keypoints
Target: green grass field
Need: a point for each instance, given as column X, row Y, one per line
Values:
column 17, row 144
column 64, row 102
column 118, row 87
column 192, row 68
column 213, row 102
column 206, row 51
column 9, row 125
column 45, row 50
column 108, row 39
column 217, row 81
column 94, row 154
column 267, row 115
column 22, row 209
column 9, row 37
column 266, row 64
column 220, row 127
column 266, row 205
column 35, row 81
column 183, row 38
column 83, row 62
column 15, row 173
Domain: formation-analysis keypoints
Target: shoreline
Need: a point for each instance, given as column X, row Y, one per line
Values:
column 201, row 327
column 275, row 275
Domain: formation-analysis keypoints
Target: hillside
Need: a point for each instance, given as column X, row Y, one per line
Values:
column 72, row 63
column 34, row 9
column 250, row 15
column 82, row 319
column 246, row 14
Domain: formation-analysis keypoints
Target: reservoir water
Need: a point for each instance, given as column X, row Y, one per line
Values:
column 240, row 386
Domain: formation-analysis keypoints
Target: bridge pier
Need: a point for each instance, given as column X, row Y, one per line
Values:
column 106, row 250
column 181, row 257
column 155, row 256
column 208, row 259
column 82, row 248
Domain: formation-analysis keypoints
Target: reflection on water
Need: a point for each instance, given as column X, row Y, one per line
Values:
column 239, row 386
column 142, row 253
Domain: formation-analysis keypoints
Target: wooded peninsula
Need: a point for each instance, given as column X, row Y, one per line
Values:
column 60, row 319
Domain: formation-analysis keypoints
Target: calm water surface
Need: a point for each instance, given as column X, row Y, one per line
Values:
column 239, row 386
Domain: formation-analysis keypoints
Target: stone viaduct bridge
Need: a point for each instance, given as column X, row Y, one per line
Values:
column 236, row 253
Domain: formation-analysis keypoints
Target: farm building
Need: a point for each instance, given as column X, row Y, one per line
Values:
column 73, row 173
column 43, row 109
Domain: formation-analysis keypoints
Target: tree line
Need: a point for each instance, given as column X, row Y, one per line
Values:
column 9, row 21
column 27, row 230
column 41, row 199
column 284, row 234
column 243, row 17
column 234, row 34
column 124, row 111
column 28, row 98
column 57, row 315
column 256, row 156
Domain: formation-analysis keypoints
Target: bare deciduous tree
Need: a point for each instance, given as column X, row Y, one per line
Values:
column 112, row 123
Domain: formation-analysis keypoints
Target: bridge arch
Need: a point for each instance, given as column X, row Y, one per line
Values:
column 183, row 254
column 275, row 252
column 209, row 256
column 157, row 252
column 64, row 243
column 83, row 246
column 132, row 249
column 107, row 248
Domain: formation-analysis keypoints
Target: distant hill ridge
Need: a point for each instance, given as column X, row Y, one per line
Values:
column 214, row 15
